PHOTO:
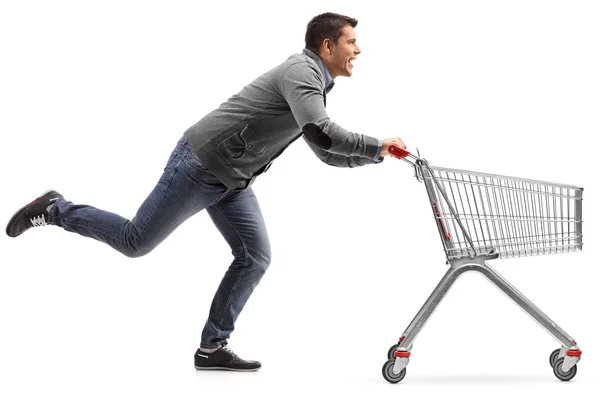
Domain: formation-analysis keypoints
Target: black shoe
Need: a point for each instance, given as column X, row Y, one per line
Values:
column 223, row 359
column 33, row 214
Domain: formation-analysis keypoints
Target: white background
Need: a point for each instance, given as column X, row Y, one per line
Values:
column 93, row 98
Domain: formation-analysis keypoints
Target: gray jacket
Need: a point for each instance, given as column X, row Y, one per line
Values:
column 239, row 140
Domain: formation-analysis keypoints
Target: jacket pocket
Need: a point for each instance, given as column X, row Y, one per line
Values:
column 245, row 142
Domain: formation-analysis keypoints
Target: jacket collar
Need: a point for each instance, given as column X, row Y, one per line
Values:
column 329, row 83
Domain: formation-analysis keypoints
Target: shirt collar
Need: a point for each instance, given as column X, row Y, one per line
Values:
column 329, row 83
column 328, row 79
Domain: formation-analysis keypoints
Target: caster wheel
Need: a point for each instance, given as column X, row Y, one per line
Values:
column 554, row 357
column 564, row 376
column 388, row 372
column 391, row 351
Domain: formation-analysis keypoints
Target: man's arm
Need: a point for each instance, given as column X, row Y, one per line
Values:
column 301, row 86
column 338, row 160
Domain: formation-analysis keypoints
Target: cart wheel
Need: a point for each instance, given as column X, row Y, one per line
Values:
column 554, row 357
column 558, row 372
column 391, row 351
column 388, row 372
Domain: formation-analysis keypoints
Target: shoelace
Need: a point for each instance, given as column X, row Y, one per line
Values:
column 228, row 349
column 40, row 220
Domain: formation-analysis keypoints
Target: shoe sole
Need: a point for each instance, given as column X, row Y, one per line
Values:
column 225, row 369
column 20, row 210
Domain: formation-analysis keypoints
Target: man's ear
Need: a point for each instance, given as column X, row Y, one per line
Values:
column 327, row 46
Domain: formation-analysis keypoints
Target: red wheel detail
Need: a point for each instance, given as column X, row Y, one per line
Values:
column 402, row 354
column 573, row 353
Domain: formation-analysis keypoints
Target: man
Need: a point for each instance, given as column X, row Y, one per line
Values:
column 213, row 166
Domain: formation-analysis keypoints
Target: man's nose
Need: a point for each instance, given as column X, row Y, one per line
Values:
column 357, row 50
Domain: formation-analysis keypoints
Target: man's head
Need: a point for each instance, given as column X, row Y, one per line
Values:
column 332, row 37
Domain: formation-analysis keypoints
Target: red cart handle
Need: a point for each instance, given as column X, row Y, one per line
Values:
column 398, row 152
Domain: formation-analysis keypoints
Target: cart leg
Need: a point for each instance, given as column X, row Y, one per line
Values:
column 569, row 354
column 561, row 336
column 479, row 265
column 394, row 369
column 435, row 298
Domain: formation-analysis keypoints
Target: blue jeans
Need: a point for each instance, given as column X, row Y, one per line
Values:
column 185, row 188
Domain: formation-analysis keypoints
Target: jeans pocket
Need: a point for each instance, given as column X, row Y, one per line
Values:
column 192, row 160
column 171, row 158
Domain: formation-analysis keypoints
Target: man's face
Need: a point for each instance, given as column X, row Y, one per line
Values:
column 339, row 56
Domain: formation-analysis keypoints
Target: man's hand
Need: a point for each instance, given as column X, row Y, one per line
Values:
column 388, row 142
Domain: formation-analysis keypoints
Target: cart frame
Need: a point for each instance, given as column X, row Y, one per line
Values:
column 481, row 217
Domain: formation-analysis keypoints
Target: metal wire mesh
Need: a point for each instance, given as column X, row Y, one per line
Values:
column 511, row 217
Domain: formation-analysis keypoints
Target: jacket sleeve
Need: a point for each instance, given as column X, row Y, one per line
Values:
column 301, row 86
column 338, row 160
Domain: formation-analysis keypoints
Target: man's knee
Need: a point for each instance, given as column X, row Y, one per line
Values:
column 261, row 258
column 134, row 250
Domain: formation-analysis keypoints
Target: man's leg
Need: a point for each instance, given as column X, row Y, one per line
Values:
column 182, row 191
column 239, row 219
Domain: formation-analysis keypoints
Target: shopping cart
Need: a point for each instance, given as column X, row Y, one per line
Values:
column 481, row 217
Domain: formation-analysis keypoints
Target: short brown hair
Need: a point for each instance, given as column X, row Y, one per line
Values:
column 326, row 26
